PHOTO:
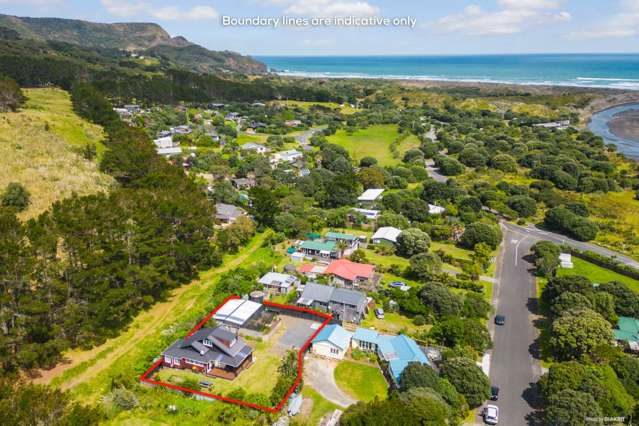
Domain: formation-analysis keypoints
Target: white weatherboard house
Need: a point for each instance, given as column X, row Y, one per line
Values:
column 279, row 283
column 332, row 342
column 386, row 234
column 433, row 209
column 252, row 146
column 370, row 196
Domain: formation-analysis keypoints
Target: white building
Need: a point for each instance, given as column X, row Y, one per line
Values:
column 370, row 196
column 433, row 209
column 167, row 152
column 565, row 260
column 164, row 142
column 332, row 342
column 289, row 156
column 369, row 214
column 386, row 234
column 252, row 146
column 279, row 283
column 236, row 312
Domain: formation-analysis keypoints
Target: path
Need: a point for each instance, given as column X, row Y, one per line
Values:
column 144, row 324
column 319, row 374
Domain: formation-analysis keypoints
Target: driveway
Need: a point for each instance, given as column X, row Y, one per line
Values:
column 297, row 331
column 318, row 373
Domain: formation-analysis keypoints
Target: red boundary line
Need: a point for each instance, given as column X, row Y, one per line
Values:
column 300, row 359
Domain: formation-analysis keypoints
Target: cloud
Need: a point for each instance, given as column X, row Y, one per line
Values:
column 624, row 23
column 513, row 16
column 128, row 9
column 34, row 3
column 195, row 13
column 325, row 7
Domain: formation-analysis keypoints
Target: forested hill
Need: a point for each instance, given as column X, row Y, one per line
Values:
column 145, row 39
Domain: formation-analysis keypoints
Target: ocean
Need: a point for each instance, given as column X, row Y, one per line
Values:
column 618, row 71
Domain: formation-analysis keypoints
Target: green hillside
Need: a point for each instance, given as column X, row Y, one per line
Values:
column 146, row 39
column 40, row 147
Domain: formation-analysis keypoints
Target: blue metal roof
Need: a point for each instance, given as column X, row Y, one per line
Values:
column 336, row 335
column 366, row 335
column 399, row 351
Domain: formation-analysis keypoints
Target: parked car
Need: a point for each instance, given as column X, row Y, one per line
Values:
column 491, row 414
column 500, row 319
column 379, row 313
column 494, row 393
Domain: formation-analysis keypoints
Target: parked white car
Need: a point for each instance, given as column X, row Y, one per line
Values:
column 491, row 414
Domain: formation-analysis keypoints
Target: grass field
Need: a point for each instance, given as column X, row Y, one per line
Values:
column 374, row 141
column 620, row 211
column 362, row 382
column 346, row 109
column 597, row 274
column 39, row 146
column 394, row 323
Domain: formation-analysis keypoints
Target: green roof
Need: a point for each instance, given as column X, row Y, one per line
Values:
column 627, row 329
column 340, row 236
column 318, row 245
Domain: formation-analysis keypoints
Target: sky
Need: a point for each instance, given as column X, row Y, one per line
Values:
column 441, row 27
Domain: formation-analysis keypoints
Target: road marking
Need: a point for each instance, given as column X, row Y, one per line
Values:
column 517, row 250
column 513, row 241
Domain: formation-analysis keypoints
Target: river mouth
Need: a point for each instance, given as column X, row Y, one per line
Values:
column 619, row 126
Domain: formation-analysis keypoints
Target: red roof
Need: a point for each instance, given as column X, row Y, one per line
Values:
column 348, row 270
column 305, row 268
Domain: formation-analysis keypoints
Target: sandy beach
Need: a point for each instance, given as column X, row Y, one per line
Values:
column 626, row 125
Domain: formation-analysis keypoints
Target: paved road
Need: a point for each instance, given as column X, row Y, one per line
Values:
column 513, row 368
column 540, row 234
column 432, row 172
column 304, row 138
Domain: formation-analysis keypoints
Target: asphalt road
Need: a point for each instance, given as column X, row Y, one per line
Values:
column 513, row 368
column 433, row 172
column 540, row 234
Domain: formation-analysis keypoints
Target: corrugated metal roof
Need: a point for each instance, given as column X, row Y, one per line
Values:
column 335, row 335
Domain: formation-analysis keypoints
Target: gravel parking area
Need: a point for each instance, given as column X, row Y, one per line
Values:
column 298, row 331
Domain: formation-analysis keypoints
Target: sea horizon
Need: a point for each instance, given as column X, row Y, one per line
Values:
column 596, row 70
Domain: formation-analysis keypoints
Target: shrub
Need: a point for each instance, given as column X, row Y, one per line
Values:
column 468, row 379
column 478, row 232
column 16, row 196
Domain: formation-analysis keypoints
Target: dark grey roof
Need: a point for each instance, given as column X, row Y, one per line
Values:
column 318, row 292
column 349, row 297
column 325, row 294
column 192, row 347
column 227, row 211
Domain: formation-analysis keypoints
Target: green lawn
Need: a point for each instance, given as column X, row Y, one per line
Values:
column 597, row 274
column 362, row 382
column 243, row 138
column 373, row 141
column 394, row 323
column 321, row 406
column 451, row 249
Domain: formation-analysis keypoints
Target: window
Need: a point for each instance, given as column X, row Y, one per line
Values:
column 335, row 351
